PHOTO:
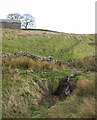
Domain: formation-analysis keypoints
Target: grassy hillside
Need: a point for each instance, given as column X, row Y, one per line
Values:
column 29, row 85
column 59, row 45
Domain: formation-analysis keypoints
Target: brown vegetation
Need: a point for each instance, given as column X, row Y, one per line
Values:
column 24, row 62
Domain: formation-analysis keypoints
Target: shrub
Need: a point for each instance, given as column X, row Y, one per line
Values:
column 85, row 87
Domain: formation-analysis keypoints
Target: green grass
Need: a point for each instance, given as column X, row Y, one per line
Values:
column 61, row 46
column 80, row 105
column 22, row 87
column 24, row 81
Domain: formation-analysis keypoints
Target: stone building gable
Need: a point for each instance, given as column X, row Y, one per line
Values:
column 10, row 24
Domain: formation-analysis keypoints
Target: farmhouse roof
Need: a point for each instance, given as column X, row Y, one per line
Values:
column 7, row 20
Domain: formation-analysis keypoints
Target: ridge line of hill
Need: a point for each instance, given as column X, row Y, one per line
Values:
column 45, row 30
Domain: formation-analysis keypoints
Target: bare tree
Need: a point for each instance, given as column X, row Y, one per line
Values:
column 28, row 21
column 15, row 16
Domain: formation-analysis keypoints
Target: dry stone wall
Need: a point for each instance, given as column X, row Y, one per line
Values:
column 31, row 56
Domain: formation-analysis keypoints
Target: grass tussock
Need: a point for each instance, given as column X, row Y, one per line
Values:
column 87, row 63
column 85, row 87
column 23, row 62
column 88, row 108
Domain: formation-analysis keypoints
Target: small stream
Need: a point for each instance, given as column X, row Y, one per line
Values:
column 66, row 87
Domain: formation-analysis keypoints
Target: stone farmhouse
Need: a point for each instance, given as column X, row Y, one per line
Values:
column 10, row 24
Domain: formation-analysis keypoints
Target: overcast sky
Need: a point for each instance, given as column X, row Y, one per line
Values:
column 69, row 16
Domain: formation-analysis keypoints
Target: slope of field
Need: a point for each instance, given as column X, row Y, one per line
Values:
column 29, row 85
column 59, row 45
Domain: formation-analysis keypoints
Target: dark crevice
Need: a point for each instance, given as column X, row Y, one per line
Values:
column 64, row 89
